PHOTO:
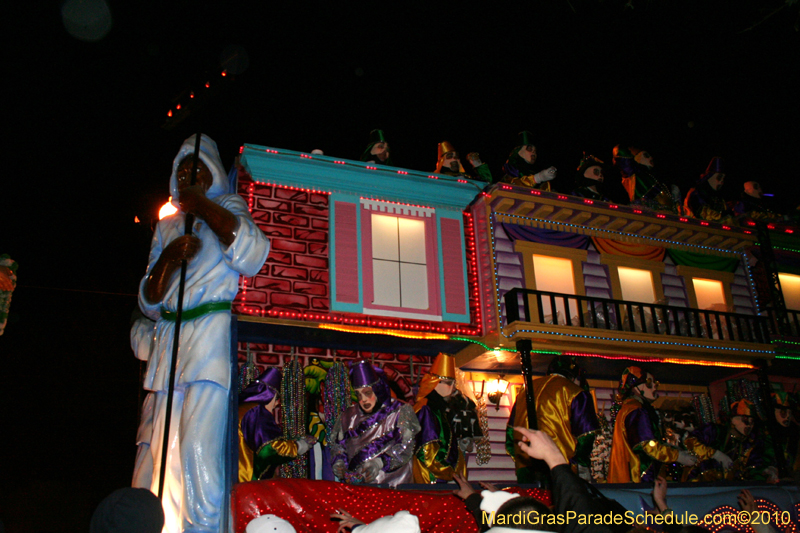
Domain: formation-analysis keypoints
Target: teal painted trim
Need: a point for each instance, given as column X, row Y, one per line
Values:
column 457, row 216
column 339, row 306
column 334, row 175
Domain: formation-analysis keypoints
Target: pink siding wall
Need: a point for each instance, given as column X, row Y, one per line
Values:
column 453, row 267
column 346, row 243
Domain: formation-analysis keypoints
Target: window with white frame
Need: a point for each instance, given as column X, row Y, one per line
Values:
column 399, row 263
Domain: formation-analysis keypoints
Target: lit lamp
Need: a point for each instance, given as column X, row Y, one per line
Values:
column 478, row 394
column 496, row 390
column 167, row 209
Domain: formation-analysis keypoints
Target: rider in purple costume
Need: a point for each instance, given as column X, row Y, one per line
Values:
column 373, row 441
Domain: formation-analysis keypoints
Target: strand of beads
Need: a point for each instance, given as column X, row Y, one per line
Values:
column 482, row 445
column 293, row 403
column 337, row 393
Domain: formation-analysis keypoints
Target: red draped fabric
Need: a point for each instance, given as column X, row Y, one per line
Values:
column 641, row 251
column 307, row 505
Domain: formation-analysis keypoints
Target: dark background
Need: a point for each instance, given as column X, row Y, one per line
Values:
column 88, row 152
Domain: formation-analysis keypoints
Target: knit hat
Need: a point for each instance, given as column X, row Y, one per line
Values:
column 269, row 523
column 128, row 510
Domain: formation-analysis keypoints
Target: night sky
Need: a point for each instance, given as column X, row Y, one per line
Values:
column 85, row 137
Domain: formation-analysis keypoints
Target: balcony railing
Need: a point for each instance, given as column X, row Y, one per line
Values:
column 636, row 317
column 793, row 318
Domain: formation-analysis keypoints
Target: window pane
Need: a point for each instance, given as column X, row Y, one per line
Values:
column 636, row 285
column 384, row 238
column 414, row 286
column 412, row 240
column 709, row 293
column 553, row 274
column 790, row 287
column 386, row 283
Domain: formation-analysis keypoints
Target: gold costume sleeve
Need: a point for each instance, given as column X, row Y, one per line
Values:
column 285, row 447
column 659, row 451
column 702, row 451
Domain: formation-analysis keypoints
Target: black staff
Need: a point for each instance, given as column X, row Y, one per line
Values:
column 176, row 340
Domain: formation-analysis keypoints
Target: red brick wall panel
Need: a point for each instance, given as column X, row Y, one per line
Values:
column 255, row 297
column 320, row 304
column 272, row 205
column 302, row 209
column 280, row 258
column 284, row 299
column 314, row 289
column 307, row 235
column 318, row 249
column 281, row 285
column 262, row 190
column 266, row 359
column 290, row 273
column 311, row 262
column 319, row 275
column 291, row 220
column 288, row 245
column 318, row 199
column 262, row 217
column 320, row 223
column 289, row 194
column 309, row 350
column 276, row 231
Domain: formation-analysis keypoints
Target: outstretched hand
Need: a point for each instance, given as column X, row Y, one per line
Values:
column 465, row 489
column 539, row 445
column 746, row 501
column 347, row 520
column 660, row 494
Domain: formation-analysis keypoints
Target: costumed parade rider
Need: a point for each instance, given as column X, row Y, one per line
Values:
column 449, row 164
column 787, row 433
column 225, row 243
column 733, row 451
column 377, row 150
column 589, row 179
column 646, row 190
column 751, row 205
column 262, row 446
column 565, row 410
column 449, row 424
column 705, row 200
column 638, row 448
column 8, row 282
column 519, row 167
column 373, row 441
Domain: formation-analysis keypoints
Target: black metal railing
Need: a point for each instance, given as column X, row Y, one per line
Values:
column 793, row 318
column 601, row 313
